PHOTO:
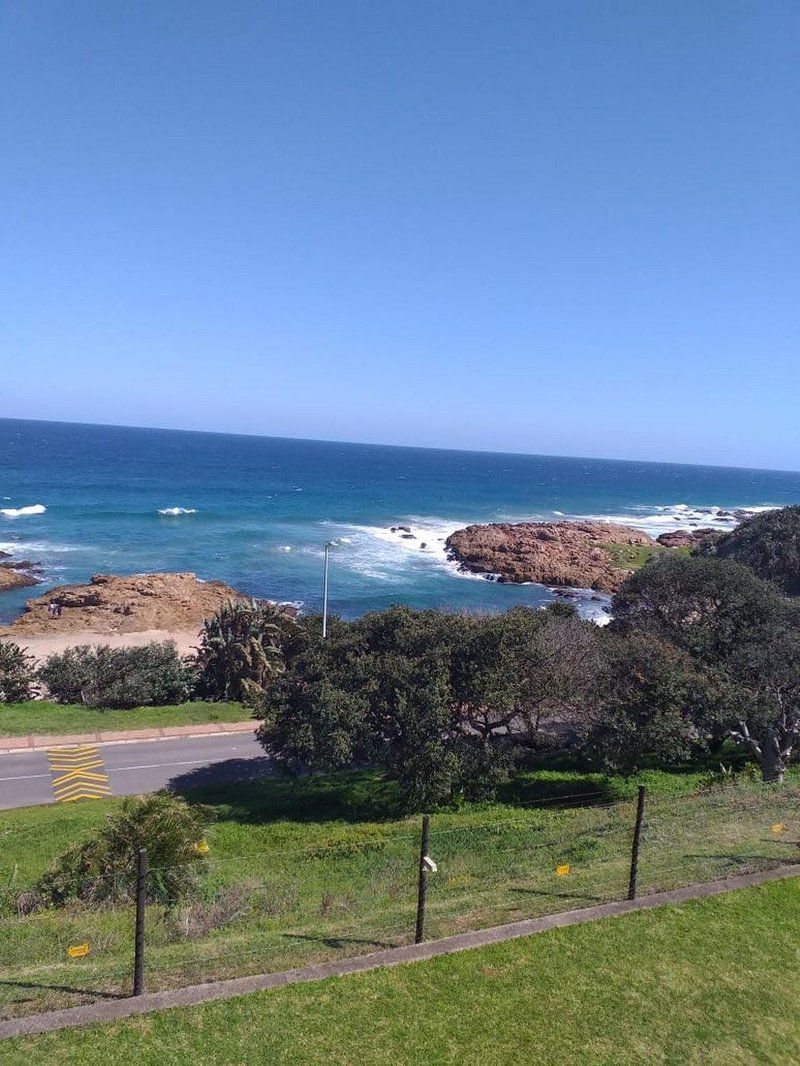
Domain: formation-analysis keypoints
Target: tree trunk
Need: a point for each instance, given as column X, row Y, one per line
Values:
column 772, row 768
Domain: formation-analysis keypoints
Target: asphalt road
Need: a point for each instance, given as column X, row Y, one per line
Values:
column 26, row 778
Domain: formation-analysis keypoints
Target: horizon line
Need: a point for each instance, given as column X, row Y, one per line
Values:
column 411, row 447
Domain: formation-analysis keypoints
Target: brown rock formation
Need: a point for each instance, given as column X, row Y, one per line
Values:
column 686, row 538
column 110, row 604
column 566, row 554
column 17, row 575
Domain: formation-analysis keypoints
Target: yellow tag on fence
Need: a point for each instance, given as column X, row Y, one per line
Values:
column 778, row 827
column 202, row 848
column 77, row 951
column 563, row 869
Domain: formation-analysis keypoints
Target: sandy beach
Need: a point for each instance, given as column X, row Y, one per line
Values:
column 40, row 646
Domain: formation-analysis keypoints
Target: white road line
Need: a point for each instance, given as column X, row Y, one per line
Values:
column 158, row 765
column 23, row 777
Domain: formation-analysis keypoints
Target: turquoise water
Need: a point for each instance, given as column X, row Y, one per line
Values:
column 261, row 508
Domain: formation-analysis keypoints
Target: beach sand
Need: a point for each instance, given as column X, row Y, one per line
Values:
column 40, row 646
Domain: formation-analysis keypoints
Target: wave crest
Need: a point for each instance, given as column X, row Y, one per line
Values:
column 173, row 512
column 21, row 512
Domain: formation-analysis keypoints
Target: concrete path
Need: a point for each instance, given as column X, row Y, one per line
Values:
column 112, row 1010
column 27, row 777
column 112, row 736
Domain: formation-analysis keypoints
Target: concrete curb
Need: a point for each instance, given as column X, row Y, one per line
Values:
column 10, row 745
column 112, row 1010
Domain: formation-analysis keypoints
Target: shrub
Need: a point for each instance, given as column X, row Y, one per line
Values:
column 16, row 673
column 121, row 678
column 240, row 651
column 103, row 869
column 768, row 544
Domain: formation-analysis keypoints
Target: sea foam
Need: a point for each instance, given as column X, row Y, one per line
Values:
column 173, row 512
column 22, row 512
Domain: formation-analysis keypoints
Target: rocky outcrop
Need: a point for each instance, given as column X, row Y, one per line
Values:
column 110, row 604
column 17, row 575
column 687, row 538
column 565, row 554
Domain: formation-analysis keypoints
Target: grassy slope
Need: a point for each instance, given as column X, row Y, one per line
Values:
column 40, row 716
column 301, row 872
column 634, row 556
column 716, row 982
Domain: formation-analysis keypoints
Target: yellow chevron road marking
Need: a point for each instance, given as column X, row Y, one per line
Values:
column 82, row 786
column 72, row 761
column 72, row 753
column 80, row 775
column 74, row 773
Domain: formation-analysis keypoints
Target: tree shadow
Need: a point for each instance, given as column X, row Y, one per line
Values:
column 559, row 789
column 257, row 794
column 342, row 941
column 743, row 860
column 40, row 986
column 552, row 894
column 222, row 773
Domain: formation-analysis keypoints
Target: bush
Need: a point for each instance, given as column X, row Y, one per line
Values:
column 768, row 544
column 118, row 678
column 241, row 651
column 16, row 673
column 103, row 869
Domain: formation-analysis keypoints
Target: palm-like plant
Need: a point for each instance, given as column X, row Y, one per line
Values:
column 240, row 651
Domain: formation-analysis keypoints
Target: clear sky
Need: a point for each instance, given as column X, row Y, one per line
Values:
column 564, row 227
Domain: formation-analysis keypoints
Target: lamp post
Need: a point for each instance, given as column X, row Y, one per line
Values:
column 328, row 546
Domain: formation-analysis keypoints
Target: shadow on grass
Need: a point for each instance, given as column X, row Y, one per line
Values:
column 744, row 860
column 342, row 941
column 558, row 788
column 552, row 894
column 39, row 986
column 250, row 791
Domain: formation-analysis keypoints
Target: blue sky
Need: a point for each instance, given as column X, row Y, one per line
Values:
column 566, row 228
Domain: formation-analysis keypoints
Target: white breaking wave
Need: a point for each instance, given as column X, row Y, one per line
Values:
column 21, row 512
column 662, row 518
column 396, row 552
column 173, row 512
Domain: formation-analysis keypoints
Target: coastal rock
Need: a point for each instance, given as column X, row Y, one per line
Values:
column 111, row 604
column 18, row 575
column 564, row 554
column 686, row 538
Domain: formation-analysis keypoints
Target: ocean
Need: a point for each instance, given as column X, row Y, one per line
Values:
column 257, row 511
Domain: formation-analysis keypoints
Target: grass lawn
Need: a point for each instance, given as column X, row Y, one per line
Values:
column 714, row 982
column 40, row 717
column 300, row 872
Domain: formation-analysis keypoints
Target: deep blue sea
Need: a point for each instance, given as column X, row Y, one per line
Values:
column 256, row 511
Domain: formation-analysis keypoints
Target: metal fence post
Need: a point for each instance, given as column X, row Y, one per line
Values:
column 637, row 840
column 422, row 887
column 141, row 899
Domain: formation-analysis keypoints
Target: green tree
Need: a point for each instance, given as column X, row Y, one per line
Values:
column 741, row 633
column 240, row 652
column 768, row 544
column 103, row 868
column 16, row 673
column 652, row 704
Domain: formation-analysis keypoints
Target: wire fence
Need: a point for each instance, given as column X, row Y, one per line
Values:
column 293, row 906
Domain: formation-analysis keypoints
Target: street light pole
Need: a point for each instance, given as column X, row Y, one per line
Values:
column 328, row 546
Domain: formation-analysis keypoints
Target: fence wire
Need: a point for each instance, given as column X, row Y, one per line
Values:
column 292, row 906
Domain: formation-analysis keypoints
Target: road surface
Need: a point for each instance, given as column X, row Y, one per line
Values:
column 35, row 777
